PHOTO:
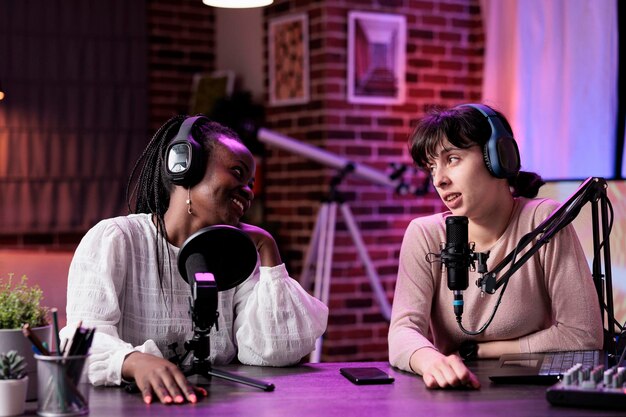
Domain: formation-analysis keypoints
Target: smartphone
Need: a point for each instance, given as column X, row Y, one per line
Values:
column 366, row 375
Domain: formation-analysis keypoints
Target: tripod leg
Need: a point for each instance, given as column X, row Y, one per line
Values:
column 371, row 271
column 324, row 262
column 311, row 253
column 328, row 252
column 265, row 386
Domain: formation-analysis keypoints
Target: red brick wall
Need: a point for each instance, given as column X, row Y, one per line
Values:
column 181, row 39
column 444, row 67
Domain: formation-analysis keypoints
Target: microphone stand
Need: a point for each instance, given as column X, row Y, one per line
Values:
column 592, row 190
column 205, row 314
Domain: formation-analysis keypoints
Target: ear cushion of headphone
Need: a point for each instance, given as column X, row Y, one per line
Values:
column 500, row 152
column 184, row 156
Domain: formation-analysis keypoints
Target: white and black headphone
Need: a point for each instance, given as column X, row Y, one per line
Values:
column 185, row 160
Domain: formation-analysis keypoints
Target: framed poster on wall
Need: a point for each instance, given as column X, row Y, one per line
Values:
column 288, row 47
column 376, row 58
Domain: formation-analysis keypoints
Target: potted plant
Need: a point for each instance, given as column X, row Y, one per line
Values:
column 20, row 303
column 13, row 384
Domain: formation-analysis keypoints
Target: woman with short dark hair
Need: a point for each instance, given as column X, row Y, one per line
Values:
column 550, row 302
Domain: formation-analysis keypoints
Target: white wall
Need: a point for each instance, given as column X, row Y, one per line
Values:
column 239, row 46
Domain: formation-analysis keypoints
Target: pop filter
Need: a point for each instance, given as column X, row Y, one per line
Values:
column 224, row 251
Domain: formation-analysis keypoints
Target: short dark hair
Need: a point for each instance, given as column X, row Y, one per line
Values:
column 463, row 127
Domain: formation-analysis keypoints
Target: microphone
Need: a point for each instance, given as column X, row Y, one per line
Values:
column 215, row 258
column 456, row 256
column 224, row 251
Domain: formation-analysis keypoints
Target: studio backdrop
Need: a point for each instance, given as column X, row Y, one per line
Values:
column 551, row 67
column 74, row 119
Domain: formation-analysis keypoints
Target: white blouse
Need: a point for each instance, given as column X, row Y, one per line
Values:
column 113, row 285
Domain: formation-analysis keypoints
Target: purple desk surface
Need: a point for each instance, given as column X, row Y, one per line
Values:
column 320, row 390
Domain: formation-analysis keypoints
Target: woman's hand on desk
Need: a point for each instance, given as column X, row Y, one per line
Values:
column 154, row 375
column 440, row 371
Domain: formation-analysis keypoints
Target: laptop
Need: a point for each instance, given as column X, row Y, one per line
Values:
column 543, row 368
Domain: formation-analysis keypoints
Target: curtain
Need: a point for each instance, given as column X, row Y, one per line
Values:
column 551, row 68
column 74, row 119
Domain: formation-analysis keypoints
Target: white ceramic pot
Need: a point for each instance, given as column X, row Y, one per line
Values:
column 13, row 396
column 13, row 339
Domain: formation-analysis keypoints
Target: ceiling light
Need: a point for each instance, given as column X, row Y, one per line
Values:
column 237, row 4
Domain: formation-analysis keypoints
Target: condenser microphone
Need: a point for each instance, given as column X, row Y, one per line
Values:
column 215, row 258
column 456, row 256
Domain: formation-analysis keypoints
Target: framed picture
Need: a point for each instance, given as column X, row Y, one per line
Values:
column 288, row 47
column 208, row 88
column 376, row 58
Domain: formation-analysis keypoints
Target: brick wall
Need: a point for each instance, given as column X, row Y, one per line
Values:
column 181, row 43
column 444, row 66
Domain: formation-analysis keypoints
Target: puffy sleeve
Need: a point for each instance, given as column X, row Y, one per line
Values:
column 276, row 320
column 95, row 287
column 413, row 298
column 577, row 323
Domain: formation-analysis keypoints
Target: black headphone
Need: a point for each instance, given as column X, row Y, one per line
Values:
column 185, row 160
column 500, row 151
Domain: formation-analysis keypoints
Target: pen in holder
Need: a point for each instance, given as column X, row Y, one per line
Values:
column 60, row 391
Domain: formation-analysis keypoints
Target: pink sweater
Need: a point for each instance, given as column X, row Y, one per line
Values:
column 550, row 303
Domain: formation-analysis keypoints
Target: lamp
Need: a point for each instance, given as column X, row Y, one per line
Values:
column 238, row 4
column 1, row 92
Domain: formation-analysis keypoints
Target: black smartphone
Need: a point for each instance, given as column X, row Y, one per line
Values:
column 366, row 375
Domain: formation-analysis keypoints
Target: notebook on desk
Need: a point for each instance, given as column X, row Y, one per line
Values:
column 542, row 368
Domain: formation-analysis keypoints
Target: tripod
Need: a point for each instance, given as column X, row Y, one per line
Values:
column 204, row 313
column 321, row 250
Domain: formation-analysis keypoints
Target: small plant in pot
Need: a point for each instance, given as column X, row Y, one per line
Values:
column 13, row 384
column 20, row 303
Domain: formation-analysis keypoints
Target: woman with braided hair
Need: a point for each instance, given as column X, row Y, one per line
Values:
column 123, row 278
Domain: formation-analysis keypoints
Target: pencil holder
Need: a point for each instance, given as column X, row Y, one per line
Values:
column 60, row 389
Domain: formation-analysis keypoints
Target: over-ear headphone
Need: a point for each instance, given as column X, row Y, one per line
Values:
column 500, row 151
column 185, row 160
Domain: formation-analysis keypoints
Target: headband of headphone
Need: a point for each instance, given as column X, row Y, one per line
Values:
column 185, row 161
column 500, row 152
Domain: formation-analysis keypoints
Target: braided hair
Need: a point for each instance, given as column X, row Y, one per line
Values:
column 463, row 127
column 148, row 183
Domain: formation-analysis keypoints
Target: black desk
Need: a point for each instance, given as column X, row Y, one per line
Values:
column 319, row 390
